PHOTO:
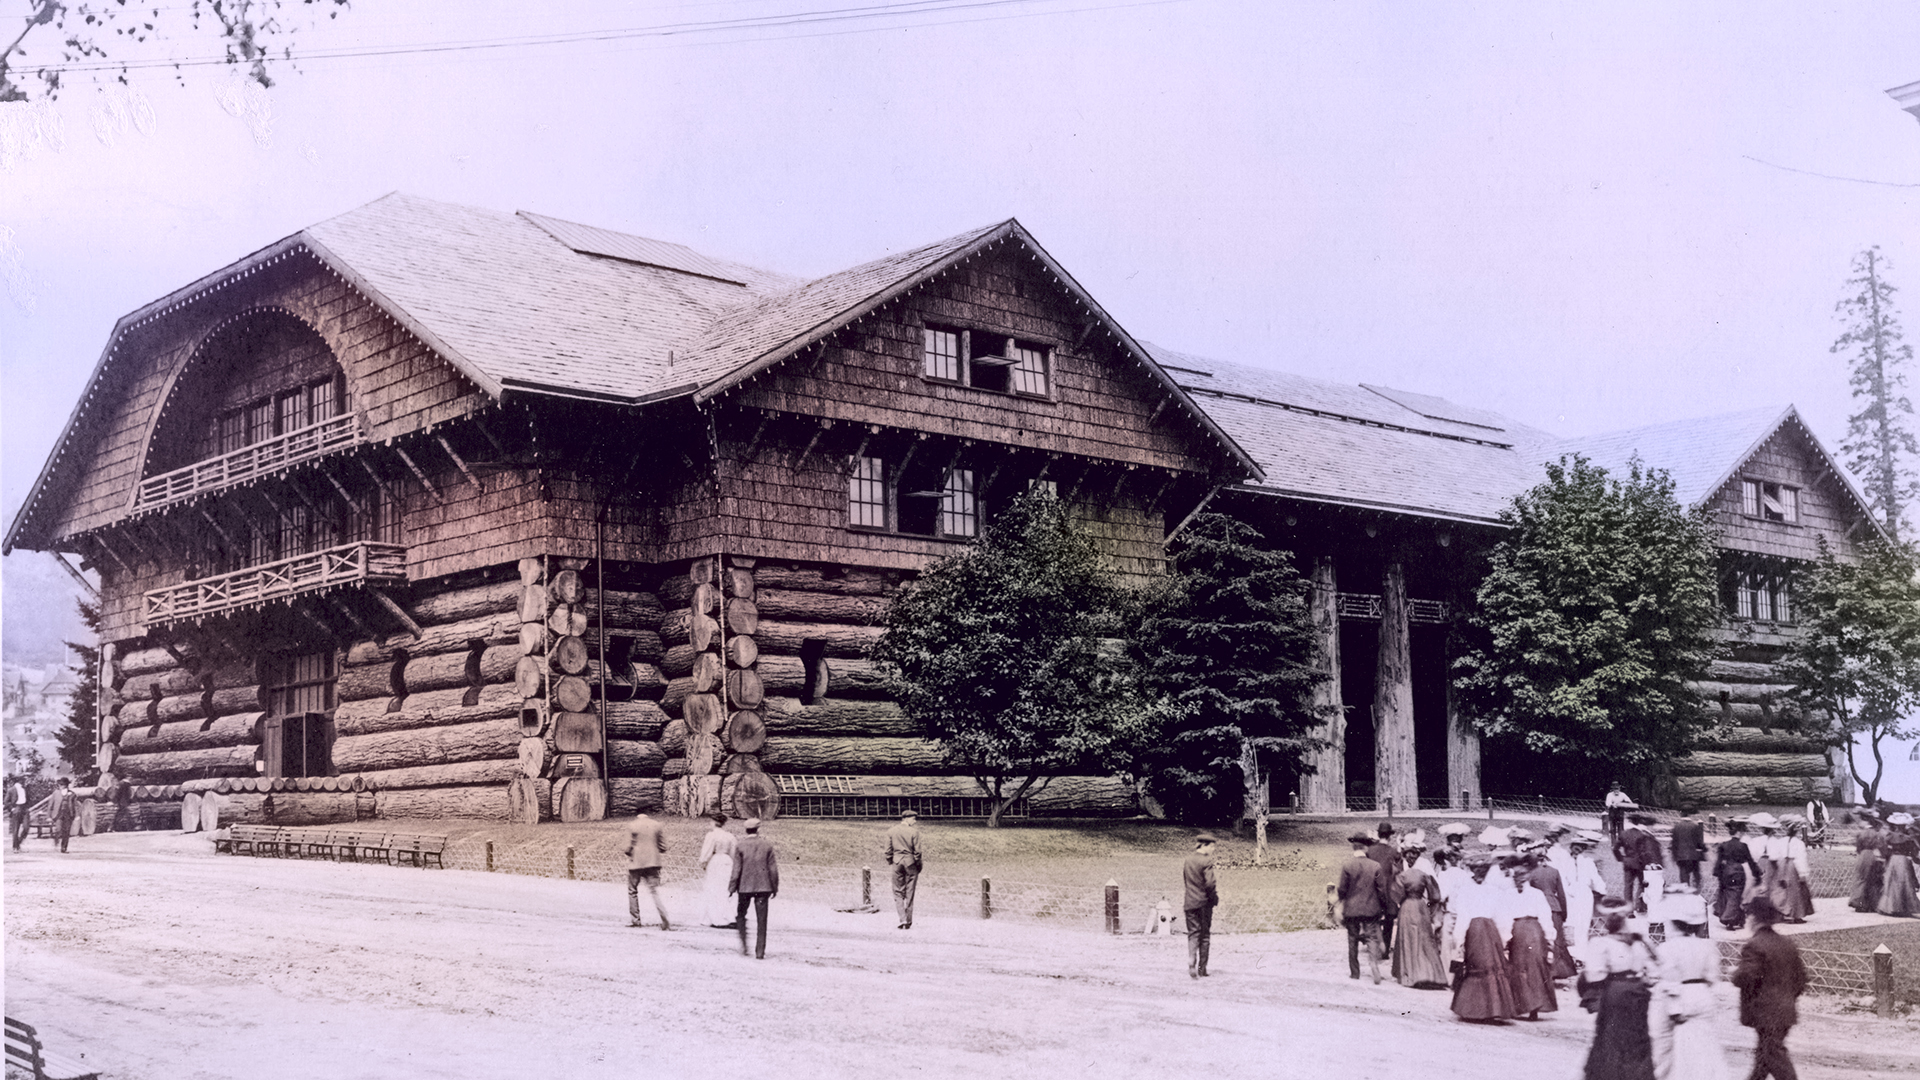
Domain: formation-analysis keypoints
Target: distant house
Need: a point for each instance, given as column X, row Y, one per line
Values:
column 506, row 516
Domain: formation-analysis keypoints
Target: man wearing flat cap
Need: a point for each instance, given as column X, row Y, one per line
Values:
column 903, row 853
column 1202, row 893
column 756, row 880
column 1365, row 892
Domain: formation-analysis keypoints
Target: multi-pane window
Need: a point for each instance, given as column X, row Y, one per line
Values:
column 1029, row 370
column 867, row 494
column 943, row 354
column 1051, row 487
column 299, row 692
column 1771, row 502
column 287, row 411
column 1762, row 595
column 959, row 513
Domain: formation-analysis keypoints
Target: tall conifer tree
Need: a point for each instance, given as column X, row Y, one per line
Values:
column 1880, row 441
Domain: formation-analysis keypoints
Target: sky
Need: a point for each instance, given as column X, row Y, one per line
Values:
column 1586, row 217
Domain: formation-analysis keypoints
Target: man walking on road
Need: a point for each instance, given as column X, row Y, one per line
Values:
column 1384, row 852
column 64, row 807
column 1771, row 977
column 1689, row 847
column 1202, row 895
column 1365, row 892
column 17, row 811
column 646, row 842
column 756, row 880
column 903, row 853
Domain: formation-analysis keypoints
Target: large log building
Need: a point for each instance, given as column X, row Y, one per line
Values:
column 435, row 511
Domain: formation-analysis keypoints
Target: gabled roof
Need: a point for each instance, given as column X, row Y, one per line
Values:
column 1704, row 454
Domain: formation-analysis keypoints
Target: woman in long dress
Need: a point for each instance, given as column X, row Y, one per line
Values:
column 1450, row 877
column 1733, row 869
column 1679, row 1019
column 1584, row 886
column 1615, row 986
column 1795, row 871
column 1869, row 866
column 1529, row 955
column 716, row 854
column 1897, row 889
column 1416, row 950
column 1481, row 990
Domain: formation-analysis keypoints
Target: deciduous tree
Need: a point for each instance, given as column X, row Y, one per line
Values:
column 1225, row 642
column 1855, row 665
column 1006, row 654
column 1597, row 610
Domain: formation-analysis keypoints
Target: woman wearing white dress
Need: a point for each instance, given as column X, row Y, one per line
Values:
column 1584, row 885
column 1680, row 1018
column 716, row 854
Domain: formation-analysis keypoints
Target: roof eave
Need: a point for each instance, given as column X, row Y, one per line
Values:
column 1380, row 506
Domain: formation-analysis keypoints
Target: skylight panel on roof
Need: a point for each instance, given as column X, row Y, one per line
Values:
column 1435, row 408
column 588, row 240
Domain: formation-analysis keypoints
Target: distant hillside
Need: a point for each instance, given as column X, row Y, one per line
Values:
column 37, row 612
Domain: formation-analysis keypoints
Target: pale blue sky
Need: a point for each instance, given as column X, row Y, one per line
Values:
column 1580, row 215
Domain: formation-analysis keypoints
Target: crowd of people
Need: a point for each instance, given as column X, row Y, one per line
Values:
column 1883, row 868
column 1511, row 922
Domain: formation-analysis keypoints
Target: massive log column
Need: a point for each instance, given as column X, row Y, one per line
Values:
column 1463, row 753
column 1395, row 775
column 1324, row 790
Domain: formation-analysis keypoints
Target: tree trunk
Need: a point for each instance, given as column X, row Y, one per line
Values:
column 1463, row 755
column 1324, row 789
column 481, row 803
column 369, row 717
column 634, row 719
column 315, row 808
column 841, row 640
column 177, row 765
column 190, row 812
column 496, row 771
column 631, row 795
column 442, row 671
column 190, row 735
column 495, row 598
column 1395, row 774
column 1724, row 763
column 743, row 616
column 568, row 588
column 707, row 669
column 568, row 621
column 1708, row 790
column 1753, row 740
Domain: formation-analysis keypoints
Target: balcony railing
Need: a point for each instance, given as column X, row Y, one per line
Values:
column 347, row 564
column 249, row 462
column 1367, row 606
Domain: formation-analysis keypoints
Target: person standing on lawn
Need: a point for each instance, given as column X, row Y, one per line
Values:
column 1365, row 892
column 1689, row 847
column 903, row 854
column 1202, row 896
column 17, row 811
column 64, row 807
column 646, row 842
column 756, row 880
column 1529, row 953
column 1584, row 888
column 1771, row 978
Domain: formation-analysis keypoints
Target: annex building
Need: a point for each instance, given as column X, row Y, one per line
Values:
column 435, row 511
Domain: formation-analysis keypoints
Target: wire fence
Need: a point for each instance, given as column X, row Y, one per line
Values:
column 1847, row 974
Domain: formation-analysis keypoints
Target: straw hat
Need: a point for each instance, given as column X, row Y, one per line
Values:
column 1763, row 820
column 1688, row 908
column 1901, row 818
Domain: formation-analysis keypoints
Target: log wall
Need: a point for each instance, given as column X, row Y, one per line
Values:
column 1755, row 754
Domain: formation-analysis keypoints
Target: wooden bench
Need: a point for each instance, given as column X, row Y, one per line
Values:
column 243, row 839
column 417, row 849
column 25, row 1052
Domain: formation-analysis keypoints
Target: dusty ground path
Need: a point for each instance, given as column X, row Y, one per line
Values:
column 157, row 959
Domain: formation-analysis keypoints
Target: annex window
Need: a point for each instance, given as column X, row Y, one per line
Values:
column 867, row 494
column 989, row 364
column 296, row 738
column 1762, row 596
column 1051, row 487
column 1029, row 371
column 959, row 512
column 1770, row 502
column 944, row 354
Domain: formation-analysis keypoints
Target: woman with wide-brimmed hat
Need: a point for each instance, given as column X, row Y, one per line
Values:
column 1898, row 889
column 1679, row 1018
column 1869, row 863
column 1616, row 986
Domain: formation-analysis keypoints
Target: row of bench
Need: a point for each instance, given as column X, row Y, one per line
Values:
column 351, row 845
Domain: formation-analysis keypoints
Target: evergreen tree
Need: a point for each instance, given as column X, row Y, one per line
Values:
column 1006, row 654
column 1225, row 642
column 1597, row 611
column 1855, row 664
column 1880, row 439
column 76, row 739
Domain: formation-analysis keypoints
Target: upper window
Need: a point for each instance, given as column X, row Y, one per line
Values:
column 959, row 514
column 1762, row 595
column 985, row 361
column 867, row 494
column 1770, row 502
column 923, row 499
column 268, row 417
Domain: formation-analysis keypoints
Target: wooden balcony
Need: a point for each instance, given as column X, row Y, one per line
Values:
column 249, row 462
column 365, row 563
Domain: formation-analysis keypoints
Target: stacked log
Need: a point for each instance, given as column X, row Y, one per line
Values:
column 178, row 714
column 1756, row 752
column 716, row 694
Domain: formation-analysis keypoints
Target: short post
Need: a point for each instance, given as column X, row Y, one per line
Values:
column 489, row 856
column 1883, row 982
column 1113, row 906
column 1466, row 799
column 1389, row 808
column 986, row 898
column 866, row 886
column 1489, row 808
column 569, row 864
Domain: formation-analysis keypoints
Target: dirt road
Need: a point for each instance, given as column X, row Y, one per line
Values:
column 157, row 959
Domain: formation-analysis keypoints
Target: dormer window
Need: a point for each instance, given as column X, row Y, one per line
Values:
column 985, row 361
column 1770, row 502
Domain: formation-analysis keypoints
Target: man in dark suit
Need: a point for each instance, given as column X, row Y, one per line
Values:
column 1771, row 978
column 1365, row 895
column 903, row 854
column 1385, row 852
column 756, row 880
column 1637, row 849
column 1689, row 847
column 1543, row 876
column 1202, row 896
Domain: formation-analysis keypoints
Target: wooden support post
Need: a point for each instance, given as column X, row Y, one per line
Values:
column 1158, row 409
column 569, row 863
column 1463, row 752
column 866, row 886
column 458, row 460
column 986, row 898
column 1113, row 906
column 396, row 611
column 753, row 444
column 419, row 474
column 341, row 606
column 1883, row 982
column 489, row 856
column 825, row 426
column 100, row 541
column 1324, row 790
column 1395, row 775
